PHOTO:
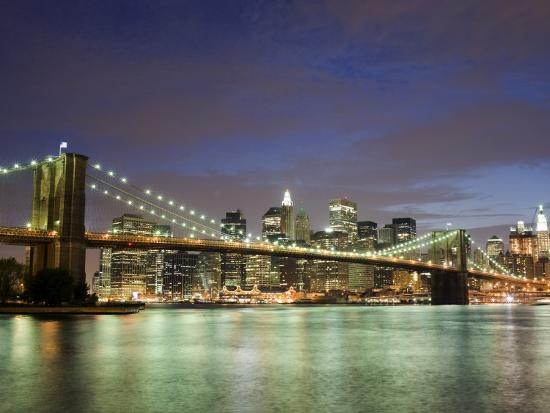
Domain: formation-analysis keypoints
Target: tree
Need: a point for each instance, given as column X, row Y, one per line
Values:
column 11, row 277
column 80, row 292
column 52, row 286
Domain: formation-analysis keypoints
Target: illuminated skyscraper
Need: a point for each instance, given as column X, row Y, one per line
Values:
column 126, row 272
column 287, row 217
column 495, row 247
column 234, row 225
column 542, row 233
column 386, row 236
column 271, row 224
column 233, row 265
column 343, row 217
column 303, row 231
column 405, row 229
column 367, row 235
column 523, row 250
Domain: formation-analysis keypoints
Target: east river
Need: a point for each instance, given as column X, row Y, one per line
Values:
column 280, row 359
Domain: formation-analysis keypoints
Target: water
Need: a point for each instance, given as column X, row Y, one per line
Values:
column 280, row 359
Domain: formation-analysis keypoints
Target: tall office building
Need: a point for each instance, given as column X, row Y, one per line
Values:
column 303, row 230
column 522, row 240
column 129, row 272
column 523, row 250
column 287, row 217
column 542, row 233
column 179, row 273
column 233, row 266
column 386, row 236
column 271, row 224
column 234, row 225
column 405, row 229
column 495, row 247
column 343, row 217
column 367, row 235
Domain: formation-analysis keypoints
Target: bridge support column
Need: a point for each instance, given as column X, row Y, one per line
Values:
column 452, row 288
column 58, row 204
column 449, row 288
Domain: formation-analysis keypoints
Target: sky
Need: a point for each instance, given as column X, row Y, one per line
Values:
column 439, row 110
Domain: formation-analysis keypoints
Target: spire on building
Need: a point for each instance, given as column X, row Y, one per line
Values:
column 287, row 201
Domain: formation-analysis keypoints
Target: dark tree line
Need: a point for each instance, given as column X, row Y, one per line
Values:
column 51, row 286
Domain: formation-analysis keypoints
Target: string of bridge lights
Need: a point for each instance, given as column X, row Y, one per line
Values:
column 157, row 208
column 419, row 242
column 140, row 207
column 178, row 207
column 20, row 166
column 492, row 261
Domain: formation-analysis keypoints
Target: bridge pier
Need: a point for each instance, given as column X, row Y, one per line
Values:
column 449, row 288
column 58, row 204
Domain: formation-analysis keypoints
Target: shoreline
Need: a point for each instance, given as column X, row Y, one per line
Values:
column 56, row 310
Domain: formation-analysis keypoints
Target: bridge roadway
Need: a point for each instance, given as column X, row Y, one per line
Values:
column 25, row 236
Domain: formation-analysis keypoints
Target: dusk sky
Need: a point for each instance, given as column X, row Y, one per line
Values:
column 439, row 110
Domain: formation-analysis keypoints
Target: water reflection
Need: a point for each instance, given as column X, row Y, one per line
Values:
column 282, row 358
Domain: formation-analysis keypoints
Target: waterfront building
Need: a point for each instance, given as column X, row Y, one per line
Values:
column 287, row 217
column 343, row 217
column 179, row 274
column 303, row 230
column 209, row 273
column 127, row 273
column 233, row 266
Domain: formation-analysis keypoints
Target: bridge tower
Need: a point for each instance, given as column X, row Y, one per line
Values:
column 58, row 204
column 452, row 288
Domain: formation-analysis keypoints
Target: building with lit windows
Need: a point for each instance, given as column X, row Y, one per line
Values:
column 271, row 224
column 367, row 235
column 343, row 217
column 405, row 229
column 495, row 247
column 542, row 233
column 127, row 273
column 303, row 230
column 386, row 237
column 287, row 217
column 233, row 266
column 234, row 225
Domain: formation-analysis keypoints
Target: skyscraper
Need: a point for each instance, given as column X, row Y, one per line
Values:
column 343, row 217
column 542, row 233
column 523, row 250
column 386, row 236
column 126, row 272
column 303, row 231
column 271, row 224
column 367, row 235
column 233, row 269
column 405, row 229
column 287, row 217
column 234, row 225
column 495, row 247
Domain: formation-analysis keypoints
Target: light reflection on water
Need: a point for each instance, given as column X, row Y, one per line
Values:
column 280, row 358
